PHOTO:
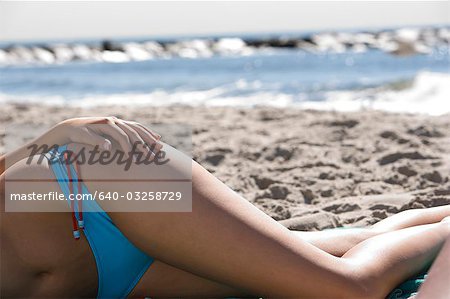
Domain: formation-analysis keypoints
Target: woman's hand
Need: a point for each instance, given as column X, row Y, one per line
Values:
column 103, row 131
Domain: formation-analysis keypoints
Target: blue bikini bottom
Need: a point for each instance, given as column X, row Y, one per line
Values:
column 120, row 264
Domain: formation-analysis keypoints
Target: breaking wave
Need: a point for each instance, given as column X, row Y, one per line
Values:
column 427, row 93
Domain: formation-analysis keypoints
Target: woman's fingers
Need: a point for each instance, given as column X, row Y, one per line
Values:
column 87, row 136
column 126, row 133
column 101, row 131
column 116, row 133
column 151, row 132
column 136, row 139
column 148, row 138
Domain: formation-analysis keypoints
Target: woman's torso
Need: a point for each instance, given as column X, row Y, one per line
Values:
column 40, row 258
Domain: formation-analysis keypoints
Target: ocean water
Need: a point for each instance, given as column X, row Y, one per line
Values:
column 346, row 81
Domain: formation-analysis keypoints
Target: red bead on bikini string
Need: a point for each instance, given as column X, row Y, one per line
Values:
column 76, row 232
column 80, row 202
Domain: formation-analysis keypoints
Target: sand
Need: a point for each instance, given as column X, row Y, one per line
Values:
column 310, row 170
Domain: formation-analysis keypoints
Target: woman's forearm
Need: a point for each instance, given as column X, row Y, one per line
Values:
column 10, row 158
column 95, row 131
column 37, row 146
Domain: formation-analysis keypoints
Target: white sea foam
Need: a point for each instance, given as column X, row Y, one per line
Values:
column 428, row 93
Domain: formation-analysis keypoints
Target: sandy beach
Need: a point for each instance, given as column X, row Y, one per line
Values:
column 310, row 170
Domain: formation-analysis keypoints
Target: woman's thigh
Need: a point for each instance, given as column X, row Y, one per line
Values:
column 224, row 238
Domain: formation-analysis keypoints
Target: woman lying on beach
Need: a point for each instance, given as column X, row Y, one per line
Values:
column 225, row 247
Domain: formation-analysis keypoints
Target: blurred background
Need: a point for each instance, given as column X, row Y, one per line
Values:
column 324, row 55
column 244, row 82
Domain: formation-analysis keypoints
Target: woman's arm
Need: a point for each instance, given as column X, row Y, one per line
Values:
column 95, row 131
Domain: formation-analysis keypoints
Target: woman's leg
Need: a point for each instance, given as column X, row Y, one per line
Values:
column 163, row 280
column 436, row 285
column 339, row 241
column 228, row 240
column 412, row 217
column 409, row 250
column 168, row 281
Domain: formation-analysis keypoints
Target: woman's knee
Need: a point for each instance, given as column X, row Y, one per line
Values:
column 361, row 282
column 446, row 223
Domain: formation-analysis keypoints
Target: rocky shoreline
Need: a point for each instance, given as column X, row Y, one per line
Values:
column 406, row 41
